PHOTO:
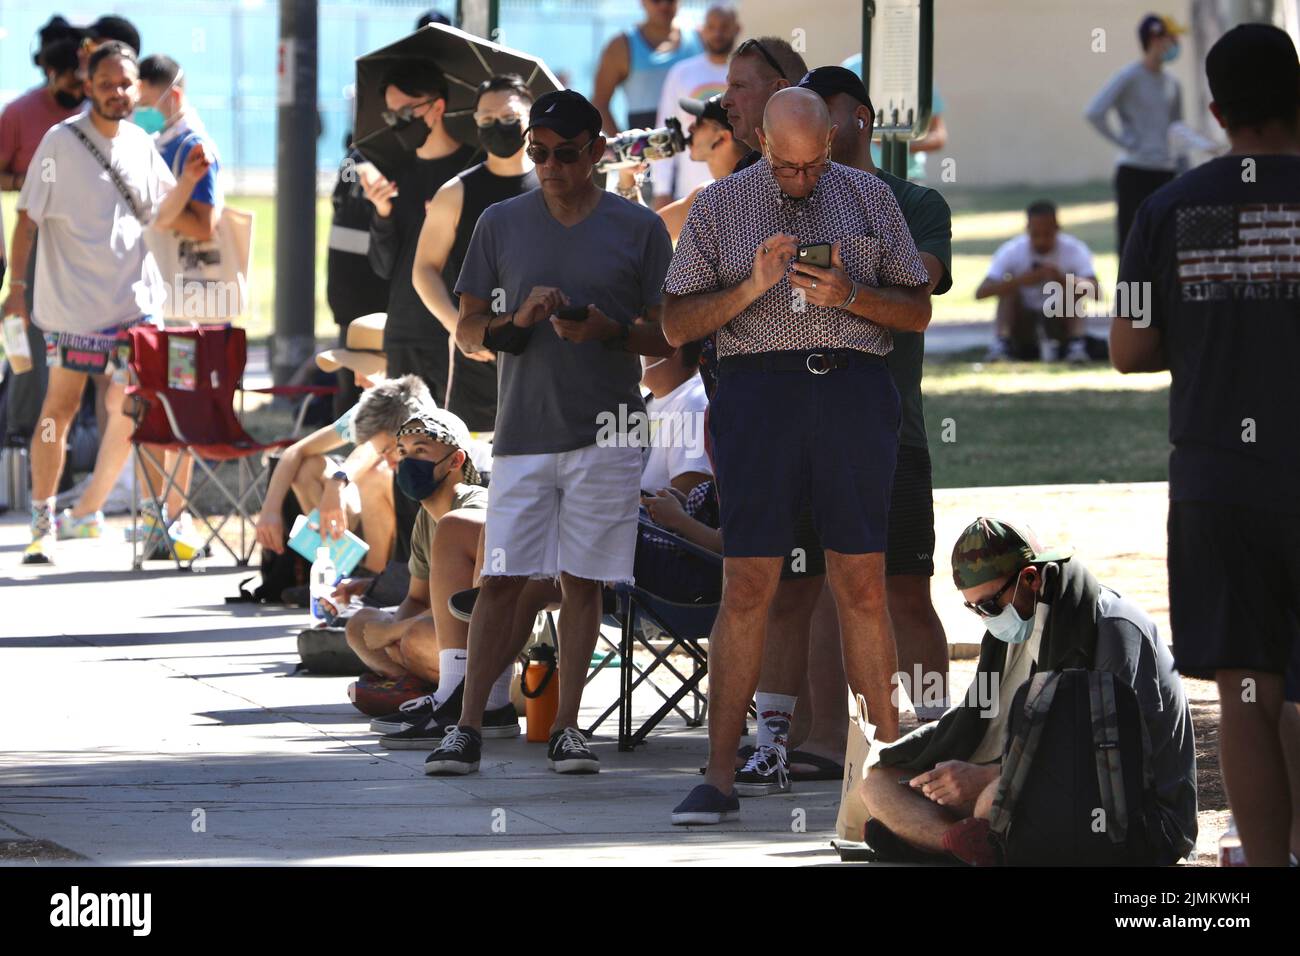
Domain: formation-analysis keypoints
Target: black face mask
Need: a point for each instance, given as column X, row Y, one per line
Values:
column 415, row 477
column 411, row 133
column 502, row 139
column 68, row 100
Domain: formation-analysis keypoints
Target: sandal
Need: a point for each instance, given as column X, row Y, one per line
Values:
column 825, row 769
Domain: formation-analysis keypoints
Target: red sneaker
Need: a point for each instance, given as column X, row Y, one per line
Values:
column 377, row 696
column 969, row 841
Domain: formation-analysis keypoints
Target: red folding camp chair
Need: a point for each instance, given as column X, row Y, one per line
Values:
column 183, row 399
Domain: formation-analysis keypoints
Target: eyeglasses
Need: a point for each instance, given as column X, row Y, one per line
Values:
column 752, row 44
column 786, row 171
column 990, row 607
column 563, row 154
column 405, row 114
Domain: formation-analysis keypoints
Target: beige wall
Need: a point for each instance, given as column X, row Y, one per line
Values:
column 1015, row 75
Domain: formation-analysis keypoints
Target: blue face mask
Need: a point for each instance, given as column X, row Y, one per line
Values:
column 1009, row 626
column 1171, row 54
column 149, row 119
column 415, row 477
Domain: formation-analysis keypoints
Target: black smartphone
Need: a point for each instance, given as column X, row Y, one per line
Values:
column 815, row 254
column 572, row 313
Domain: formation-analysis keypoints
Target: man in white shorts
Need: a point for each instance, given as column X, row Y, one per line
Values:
column 562, row 502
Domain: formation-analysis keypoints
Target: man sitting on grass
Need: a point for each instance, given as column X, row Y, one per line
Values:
column 1041, row 276
column 362, row 483
column 1042, row 611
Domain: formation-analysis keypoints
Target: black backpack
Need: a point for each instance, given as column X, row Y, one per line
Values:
column 1076, row 787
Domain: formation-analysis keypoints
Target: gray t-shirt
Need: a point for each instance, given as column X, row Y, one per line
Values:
column 1147, row 103
column 553, row 394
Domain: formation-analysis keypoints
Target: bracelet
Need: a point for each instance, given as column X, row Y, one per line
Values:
column 19, row 283
column 853, row 296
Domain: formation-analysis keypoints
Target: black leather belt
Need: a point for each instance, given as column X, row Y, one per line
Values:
column 816, row 362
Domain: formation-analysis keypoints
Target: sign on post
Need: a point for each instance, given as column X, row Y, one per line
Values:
column 897, row 64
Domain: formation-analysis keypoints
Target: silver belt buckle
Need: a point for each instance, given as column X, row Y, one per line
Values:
column 819, row 355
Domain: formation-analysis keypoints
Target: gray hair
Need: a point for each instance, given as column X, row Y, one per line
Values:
column 388, row 406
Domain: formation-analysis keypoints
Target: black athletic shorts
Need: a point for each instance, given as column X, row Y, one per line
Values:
column 911, row 515
column 1234, row 588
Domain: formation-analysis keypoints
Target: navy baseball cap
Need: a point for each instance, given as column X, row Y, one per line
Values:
column 567, row 112
column 1154, row 25
column 710, row 109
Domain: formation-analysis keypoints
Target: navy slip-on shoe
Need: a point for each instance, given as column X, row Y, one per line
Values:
column 706, row 804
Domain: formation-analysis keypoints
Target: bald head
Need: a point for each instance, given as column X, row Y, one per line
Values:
column 796, row 121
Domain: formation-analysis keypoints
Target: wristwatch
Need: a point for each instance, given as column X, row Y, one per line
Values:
column 341, row 475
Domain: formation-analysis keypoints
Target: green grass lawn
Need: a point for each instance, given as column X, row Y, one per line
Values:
column 1043, row 423
column 982, row 220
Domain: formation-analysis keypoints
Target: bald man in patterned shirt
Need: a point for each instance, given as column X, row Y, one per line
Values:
column 805, row 409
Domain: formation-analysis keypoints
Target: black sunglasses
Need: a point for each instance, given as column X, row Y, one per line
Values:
column 752, row 44
column 564, row 154
column 990, row 607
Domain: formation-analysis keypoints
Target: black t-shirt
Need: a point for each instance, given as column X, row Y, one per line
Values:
column 1216, row 246
column 392, row 248
column 482, row 188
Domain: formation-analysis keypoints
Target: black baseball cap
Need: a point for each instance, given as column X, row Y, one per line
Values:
column 826, row 81
column 567, row 112
column 1254, row 74
column 710, row 109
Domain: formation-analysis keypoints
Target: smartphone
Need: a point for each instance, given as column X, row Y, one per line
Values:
column 815, row 254
column 571, row 313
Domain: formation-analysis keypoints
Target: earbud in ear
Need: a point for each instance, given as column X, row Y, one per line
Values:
column 861, row 125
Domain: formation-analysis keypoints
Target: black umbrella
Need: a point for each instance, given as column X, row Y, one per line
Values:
column 464, row 59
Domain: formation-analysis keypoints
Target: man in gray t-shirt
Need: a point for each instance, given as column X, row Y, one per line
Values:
column 1149, row 104
column 563, row 283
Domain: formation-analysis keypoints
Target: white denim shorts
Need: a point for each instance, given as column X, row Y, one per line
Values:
column 572, row 512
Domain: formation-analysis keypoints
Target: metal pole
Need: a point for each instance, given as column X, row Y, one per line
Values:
column 295, row 181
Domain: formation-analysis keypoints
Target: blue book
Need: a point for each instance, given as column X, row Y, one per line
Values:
column 346, row 552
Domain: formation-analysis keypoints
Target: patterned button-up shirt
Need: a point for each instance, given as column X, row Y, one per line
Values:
column 730, row 218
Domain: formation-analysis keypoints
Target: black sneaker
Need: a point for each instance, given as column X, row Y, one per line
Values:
column 764, row 772
column 502, row 722
column 461, row 604
column 412, row 713
column 458, row 754
column 706, row 804
column 567, row 752
column 426, row 734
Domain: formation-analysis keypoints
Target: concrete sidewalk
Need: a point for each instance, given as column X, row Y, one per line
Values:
column 140, row 706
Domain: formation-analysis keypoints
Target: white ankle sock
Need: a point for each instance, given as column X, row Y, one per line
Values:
column 500, row 695
column 451, row 673
column 775, row 712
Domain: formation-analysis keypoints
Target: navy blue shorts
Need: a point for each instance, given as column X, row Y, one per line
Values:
column 781, row 438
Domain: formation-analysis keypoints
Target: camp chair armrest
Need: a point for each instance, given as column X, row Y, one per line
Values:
column 142, row 393
column 690, row 547
column 280, row 391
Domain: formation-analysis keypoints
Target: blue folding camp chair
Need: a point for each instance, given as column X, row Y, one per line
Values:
column 686, row 627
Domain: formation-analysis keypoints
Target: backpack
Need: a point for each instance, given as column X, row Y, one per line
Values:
column 1076, row 787
column 279, row 571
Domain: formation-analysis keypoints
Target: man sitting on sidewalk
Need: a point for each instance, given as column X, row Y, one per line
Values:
column 1033, row 275
column 357, row 490
column 1042, row 611
column 396, row 641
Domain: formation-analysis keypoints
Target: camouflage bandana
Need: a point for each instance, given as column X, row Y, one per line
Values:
column 989, row 550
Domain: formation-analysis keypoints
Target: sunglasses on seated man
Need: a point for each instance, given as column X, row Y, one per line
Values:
column 564, row 154
column 989, row 607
